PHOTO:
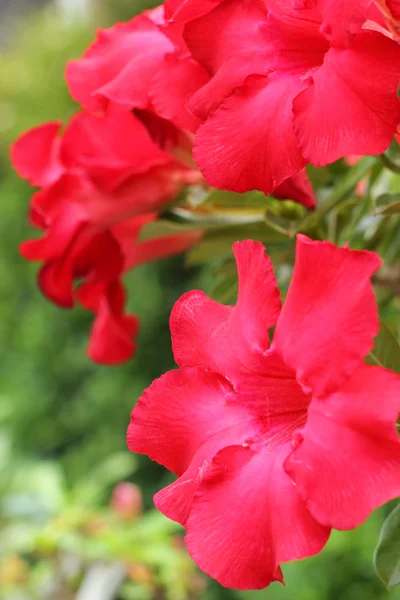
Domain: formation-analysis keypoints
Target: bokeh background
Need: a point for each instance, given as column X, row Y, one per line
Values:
column 63, row 419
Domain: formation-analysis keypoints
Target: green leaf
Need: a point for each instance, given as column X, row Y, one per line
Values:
column 388, row 204
column 217, row 242
column 386, row 351
column 387, row 552
column 162, row 227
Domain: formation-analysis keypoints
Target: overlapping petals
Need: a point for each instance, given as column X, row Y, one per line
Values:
column 102, row 181
column 242, row 419
column 331, row 110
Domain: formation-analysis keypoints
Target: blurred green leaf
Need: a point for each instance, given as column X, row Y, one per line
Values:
column 163, row 227
column 388, row 204
column 387, row 552
column 386, row 351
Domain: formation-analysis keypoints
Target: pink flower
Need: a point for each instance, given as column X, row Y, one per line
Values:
column 102, row 182
column 127, row 500
column 291, row 83
column 273, row 443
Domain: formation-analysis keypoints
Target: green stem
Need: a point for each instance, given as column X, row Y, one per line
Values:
column 389, row 163
column 344, row 187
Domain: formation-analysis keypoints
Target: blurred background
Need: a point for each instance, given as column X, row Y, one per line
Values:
column 69, row 526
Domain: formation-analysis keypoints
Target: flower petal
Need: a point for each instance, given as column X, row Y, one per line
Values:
column 226, row 339
column 232, row 29
column 341, row 19
column 182, row 78
column 298, row 187
column 347, row 459
column 187, row 10
column 330, row 317
column 178, row 413
column 248, row 142
column 103, row 146
column 112, row 337
column 246, row 518
column 343, row 111
column 119, row 65
column 35, row 155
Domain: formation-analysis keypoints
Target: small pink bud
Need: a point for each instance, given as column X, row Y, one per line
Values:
column 127, row 500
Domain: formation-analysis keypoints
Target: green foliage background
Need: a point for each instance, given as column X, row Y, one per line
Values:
column 62, row 418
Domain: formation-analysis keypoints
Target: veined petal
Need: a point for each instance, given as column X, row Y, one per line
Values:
column 347, row 459
column 226, row 339
column 343, row 111
column 330, row 317
column 232, row 29
column 246, row 518
column 341, row 19
column 249, row 142
column 178, row 413
column 182, row 78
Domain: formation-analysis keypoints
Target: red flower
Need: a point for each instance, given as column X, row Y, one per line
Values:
column 133, row 64
column 273, row 444
column 289, row 86
column 104, row 77
column 102, row 182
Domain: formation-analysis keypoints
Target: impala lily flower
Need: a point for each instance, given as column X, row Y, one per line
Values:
column 273, row 443
column 103, row 78
column 288, row 87
column 102, row 182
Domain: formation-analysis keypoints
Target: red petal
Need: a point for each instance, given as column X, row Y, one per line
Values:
column 246, row 518
column 299, row 188
column 226, row 339
column 295, row 44
column 35, row 155
column 119, row 66
column 182, row 78
column 161, row 247
column 341, row 19
column 330, row 317
column 178, row 413
column 232, row 29
column 249, row 143
column 113, row 332
column 110, row 147
column 343, row 111
column 347, row 459
column 187, row 10
column 231, row 75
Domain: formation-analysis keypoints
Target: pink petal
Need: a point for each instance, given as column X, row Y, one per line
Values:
column 36, row 155
column 343, row 111
column 226, row 339
column 178, row 413
column 330, row 317
column 248, row 142
column 346, row 461
column 246, row 518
